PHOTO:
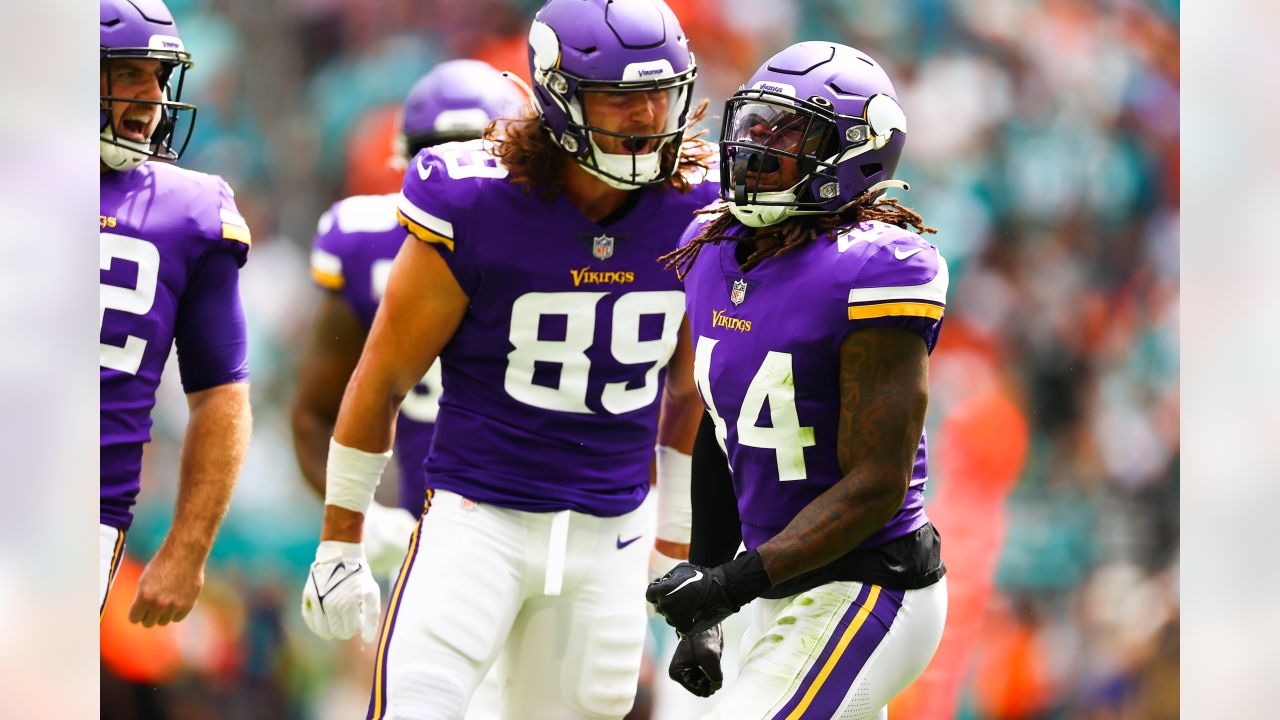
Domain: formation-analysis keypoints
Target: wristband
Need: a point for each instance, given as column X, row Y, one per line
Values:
column 351, row 476
column 675, row 511
column 746, row 579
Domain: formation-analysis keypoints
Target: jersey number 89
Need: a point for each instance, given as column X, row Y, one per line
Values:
column 570, row 353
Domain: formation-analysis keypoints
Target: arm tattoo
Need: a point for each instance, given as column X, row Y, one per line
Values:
column 883, row 396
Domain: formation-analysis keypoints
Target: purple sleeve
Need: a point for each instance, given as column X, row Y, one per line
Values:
column 893, row 278
column 211, row 334
column 430, row 205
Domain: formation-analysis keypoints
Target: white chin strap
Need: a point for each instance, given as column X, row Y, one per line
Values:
column 764, row 215
column 647, row 168
column 120, row 154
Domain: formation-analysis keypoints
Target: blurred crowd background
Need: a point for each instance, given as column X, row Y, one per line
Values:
column 1044, row 146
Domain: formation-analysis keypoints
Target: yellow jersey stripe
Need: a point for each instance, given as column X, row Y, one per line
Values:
column 380, row 665
column 236, row 232
column 423, row 233
column 911, row 309
column 111, row 576
column 830, row 665
column 330, row 281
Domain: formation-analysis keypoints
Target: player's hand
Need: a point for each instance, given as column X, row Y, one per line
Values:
column 386, row 537
column 167, row 590
column 659, row 564
column 341, row 597
column 694, row 599
column 696, row 663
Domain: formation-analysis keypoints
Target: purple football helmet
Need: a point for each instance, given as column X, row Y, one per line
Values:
column 456, row 101
column 610, row 46
column 144, row 29
column 826, row 110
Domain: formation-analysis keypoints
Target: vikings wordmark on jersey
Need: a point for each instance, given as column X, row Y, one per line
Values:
column 565, row 342
column 170, row 243
column 356, row 241
column 767, row 346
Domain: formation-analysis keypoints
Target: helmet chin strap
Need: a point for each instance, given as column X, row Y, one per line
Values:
column 750, row 214
column 646, row 167
column 120, row 154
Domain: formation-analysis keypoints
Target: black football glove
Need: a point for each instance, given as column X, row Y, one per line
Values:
column 696, row 663
column 694, row 599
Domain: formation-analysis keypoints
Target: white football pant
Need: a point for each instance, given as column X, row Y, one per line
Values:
column 110, row 550
column 840, row 651
column 559, row 595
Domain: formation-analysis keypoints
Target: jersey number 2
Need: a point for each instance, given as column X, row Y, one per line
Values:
column 136, row 300
column 775, row 384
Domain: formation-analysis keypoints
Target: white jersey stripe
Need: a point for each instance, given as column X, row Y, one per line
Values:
column 436, row 225
column 935, row 290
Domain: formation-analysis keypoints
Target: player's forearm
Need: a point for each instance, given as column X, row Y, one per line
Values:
column 678, row 419
column 213, row 452
column 365, row 423
column 835, row 523
column 681, row 409
column 342, row 525
column 311, row 433
column 677, row 428
column 369, row 406
column 884, row 395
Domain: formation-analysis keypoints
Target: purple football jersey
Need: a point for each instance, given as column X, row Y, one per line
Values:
column 170, row 247
column 767, row 360
column 551, row 382
column 355, row 244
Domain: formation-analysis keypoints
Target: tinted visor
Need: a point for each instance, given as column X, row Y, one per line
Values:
column 770, row 145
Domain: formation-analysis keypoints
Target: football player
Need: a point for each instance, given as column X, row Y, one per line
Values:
column 355, row 243
column 530, row 274
column 814, row 304
column 170, row 249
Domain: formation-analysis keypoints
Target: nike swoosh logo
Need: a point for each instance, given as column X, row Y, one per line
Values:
column 332, row 584
column 897, row 253
column 424, row 172
column 697, row 575
column 623, row 543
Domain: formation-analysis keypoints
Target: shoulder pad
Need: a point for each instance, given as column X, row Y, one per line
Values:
column 891, row 271
column 442, row 183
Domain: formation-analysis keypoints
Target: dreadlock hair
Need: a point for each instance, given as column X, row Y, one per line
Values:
column 533, row 159
column 793, row 232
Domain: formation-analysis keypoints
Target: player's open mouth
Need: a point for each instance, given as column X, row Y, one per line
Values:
column 133, row 129
column 638, row 146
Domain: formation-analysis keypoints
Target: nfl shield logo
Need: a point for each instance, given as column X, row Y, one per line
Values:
column 602, row 247
column 739, row 292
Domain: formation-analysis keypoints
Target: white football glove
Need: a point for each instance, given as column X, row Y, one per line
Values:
column 341, row 597
column 386, row 537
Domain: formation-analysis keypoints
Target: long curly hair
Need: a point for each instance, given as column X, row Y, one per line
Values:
column 791, row 233
column 534, row 160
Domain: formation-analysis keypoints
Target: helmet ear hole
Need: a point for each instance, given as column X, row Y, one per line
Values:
column 871, row 169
